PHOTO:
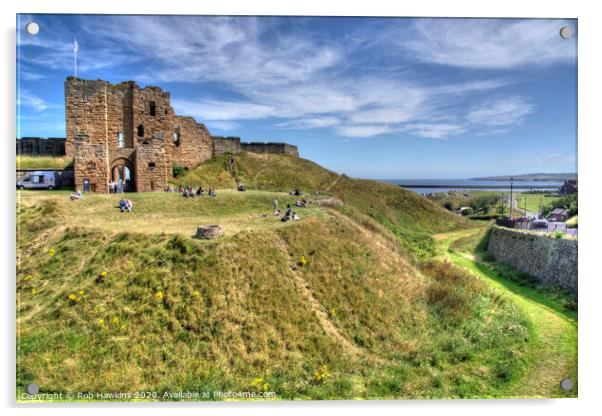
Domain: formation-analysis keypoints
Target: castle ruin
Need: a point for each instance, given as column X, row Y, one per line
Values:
column 124, row 132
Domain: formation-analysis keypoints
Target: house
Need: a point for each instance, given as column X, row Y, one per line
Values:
column 569, row 187
column 559, row 214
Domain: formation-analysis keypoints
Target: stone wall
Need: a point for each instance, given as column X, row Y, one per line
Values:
column 192, row 144
column 38, row 146
column 153, row 165
column 276, row 148
column 223, row 145
column 548, row 259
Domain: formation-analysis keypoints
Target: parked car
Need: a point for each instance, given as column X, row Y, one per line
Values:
column 40, row 179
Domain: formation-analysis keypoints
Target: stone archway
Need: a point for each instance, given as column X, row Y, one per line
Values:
column 122, row 171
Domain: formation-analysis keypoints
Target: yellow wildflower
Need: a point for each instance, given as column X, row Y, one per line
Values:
column 103, row 273
column 34, row 290
column 159, row 294
column 51, row 252
column 101, row 322
column 266, row 386
column 122, row 328
column 72, row 297
column 115, row 320
column 302, row 261
column 81, row 292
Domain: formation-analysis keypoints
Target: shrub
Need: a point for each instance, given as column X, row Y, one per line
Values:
column 178, row 170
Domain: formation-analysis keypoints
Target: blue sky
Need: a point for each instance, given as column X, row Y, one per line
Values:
column 369, row 97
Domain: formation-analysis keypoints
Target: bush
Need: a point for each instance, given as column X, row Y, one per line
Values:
column 178, row 170
column 449, row 206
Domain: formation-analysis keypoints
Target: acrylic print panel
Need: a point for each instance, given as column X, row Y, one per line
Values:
column 278, row 208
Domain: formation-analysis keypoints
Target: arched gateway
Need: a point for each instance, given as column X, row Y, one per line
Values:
column 122, row 171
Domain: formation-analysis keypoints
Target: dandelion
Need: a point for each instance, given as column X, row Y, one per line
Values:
column 302, row 261
column 266, row 386
column 115, row 320
column 34, row 291
column 103, row 273
column 122, row 328
column 257, row 383
column 72, row 297
column 81, row 292
column 196, row 294
column 101, row 322
column 51, row 252
column 159, row 294
column 28, row 277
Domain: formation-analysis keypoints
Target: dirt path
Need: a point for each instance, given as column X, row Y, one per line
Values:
column 334, row 183
column 552, row 353
column 316, row 307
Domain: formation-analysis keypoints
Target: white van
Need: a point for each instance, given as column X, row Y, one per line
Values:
column 40, row 179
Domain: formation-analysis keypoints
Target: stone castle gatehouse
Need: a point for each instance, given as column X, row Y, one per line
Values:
column 124, row 132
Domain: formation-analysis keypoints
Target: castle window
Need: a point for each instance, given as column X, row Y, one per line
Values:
column 176, row 136
column 141, row 131
column 120, row 139
column 153, row 108
column 151, row 165
column 91, row 165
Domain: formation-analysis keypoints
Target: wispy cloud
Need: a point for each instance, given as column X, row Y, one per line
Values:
column 506, row 111
column 489, row 43
column 304, row 80
column 27, row 99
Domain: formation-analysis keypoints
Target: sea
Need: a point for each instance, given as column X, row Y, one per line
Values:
column 429, row 186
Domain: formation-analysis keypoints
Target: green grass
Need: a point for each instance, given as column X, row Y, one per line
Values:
column 43, row 162
column 552, row 350
column 534, row 201
column 335, row 306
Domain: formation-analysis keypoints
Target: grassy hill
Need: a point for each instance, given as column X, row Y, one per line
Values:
column 338, row 305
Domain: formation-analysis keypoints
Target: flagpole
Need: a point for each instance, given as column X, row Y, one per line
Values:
column 75, row 48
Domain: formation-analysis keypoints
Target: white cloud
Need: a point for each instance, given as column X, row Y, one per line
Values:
column 501, row 112
column 366, row 130
column 222, row 125
column 436, row 131
column 222, row 110
column 301, row 79
column 489, row 43
column 27, row 99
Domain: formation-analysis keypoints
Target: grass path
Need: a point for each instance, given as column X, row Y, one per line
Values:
column 552, row 353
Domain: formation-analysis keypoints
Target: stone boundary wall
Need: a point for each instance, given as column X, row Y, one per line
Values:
column 550, row 260
column 232, row 144
column 39, row 146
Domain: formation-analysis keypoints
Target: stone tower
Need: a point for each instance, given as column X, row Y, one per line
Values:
column 124, row 132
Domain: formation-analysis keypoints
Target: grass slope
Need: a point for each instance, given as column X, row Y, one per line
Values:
column 43, row 162
column 334, row 306
column 552, row 351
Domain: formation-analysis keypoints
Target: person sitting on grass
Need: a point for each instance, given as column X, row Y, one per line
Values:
column 287, row 214
column 122, row 205
column 295, row 216
column 277, row 212
column 241, row 187
column 129, row 205
column 212, row 193
column 77, row 196
column 200, row 191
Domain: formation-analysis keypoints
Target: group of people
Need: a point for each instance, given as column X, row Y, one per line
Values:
column 77, row 196
column 189, row 192
column 302, row 203
column 295, row 192
column 125, row 205
column 116, row 187
column 287, row 215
